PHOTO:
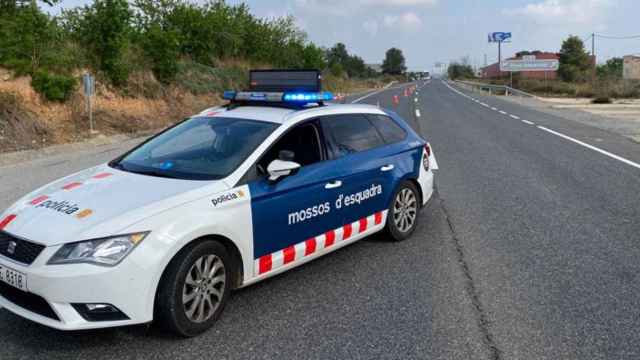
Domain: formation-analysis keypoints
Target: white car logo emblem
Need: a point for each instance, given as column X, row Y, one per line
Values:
column 11, row 249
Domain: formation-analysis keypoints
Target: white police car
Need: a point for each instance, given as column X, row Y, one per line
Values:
column 222, row 200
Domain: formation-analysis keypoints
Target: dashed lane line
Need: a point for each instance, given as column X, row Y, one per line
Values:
column 515, row 117
column 566, row 137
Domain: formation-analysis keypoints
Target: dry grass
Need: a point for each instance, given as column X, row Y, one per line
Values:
column 27, row 121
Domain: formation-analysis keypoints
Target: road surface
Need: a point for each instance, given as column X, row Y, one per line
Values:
column 529, row 250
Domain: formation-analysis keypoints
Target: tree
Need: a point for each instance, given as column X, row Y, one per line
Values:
column 574, row 60
column 338, row 54
column 31, row 39
column 162, row 48
column 394, row 62
column 313, row 57
column 104, row 28
column 612, row 69
column 460, row 71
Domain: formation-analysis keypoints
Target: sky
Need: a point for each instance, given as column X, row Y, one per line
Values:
column 431, row 31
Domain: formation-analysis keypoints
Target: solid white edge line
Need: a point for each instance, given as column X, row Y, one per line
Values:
column 604, row 152
column 515, row 117
column 368, row 95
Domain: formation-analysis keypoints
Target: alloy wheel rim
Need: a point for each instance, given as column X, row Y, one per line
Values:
column 203, row 288
column 405, row 210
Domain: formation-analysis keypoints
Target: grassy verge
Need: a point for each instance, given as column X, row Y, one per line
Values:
column 603, row 88
column 29, row 121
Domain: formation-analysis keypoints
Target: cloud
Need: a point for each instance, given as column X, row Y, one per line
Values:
column 371, row 27
column 409, row 21
column 400, row 2
column 348, row 7
column 565, row 11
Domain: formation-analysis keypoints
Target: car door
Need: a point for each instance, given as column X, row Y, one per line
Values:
column 298, row 207
column 368, row 169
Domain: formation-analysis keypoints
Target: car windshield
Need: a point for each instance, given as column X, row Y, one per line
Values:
column 203, row 148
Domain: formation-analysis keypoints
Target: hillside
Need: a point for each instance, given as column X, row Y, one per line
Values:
column 155, row 62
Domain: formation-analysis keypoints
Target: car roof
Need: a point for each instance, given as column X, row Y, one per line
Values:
column 284, row 115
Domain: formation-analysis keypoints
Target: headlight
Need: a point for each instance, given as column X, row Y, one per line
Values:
column 107, row 251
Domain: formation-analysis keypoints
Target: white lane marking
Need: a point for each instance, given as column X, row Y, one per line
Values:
column 604, row 152
column 494, row 109
column 597, row 149
column 515, row 117
column 483, row 104
column 415, row 100
column 417, row 113
column 369, row 94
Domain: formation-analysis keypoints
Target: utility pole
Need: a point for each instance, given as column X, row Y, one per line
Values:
column 593, row 58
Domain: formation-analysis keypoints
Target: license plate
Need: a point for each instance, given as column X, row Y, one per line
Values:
column 13, row 278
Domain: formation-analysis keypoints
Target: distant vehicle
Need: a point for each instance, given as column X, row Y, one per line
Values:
column 222, row 200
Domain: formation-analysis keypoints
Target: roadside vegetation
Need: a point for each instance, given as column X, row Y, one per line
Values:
column 154, row 61
column 577, row 76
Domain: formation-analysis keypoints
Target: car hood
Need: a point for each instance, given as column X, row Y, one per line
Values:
column 99, row 202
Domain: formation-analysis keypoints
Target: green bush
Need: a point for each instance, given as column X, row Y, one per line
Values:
column 53, row 87
column 202, row 79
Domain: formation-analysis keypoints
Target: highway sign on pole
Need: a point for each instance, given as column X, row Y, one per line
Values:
column 499, row 37
column 529, row 65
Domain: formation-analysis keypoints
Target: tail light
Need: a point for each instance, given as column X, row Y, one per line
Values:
column 425, row 158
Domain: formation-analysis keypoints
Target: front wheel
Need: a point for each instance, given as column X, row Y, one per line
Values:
column 194, row 289
column 402, row 217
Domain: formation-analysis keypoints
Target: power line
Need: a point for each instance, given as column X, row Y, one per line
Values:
column 618, row 37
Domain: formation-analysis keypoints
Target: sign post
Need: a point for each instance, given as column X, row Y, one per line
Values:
column 499, row 37
column 88, row 82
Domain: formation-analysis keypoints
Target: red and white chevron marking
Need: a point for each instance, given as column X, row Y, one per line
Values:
column 313, row 246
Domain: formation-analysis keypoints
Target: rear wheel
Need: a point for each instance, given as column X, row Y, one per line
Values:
column 194, row 289
column 402, row 217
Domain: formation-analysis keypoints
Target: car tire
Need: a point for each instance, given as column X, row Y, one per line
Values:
column 402, row 215
column 194, row 289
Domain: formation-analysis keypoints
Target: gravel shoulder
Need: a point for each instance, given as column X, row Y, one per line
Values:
column 625, row 122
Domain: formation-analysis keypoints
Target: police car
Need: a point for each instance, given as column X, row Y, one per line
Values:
column 222, row 200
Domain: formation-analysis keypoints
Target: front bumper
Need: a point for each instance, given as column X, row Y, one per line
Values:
column 129, row 286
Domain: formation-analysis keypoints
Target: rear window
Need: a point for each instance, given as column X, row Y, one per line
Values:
column 390, row 130
column 350, row 133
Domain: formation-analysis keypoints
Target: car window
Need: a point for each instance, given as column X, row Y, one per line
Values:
column 391, row 132
column 205, row 148
column 303, row 141
column 350, row 133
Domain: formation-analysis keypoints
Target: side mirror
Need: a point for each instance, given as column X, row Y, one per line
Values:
column 286, row 155
column 279, row 168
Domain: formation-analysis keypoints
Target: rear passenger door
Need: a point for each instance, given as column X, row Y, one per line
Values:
column 367, row 167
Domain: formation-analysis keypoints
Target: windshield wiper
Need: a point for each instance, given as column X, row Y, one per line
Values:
column 154, row 173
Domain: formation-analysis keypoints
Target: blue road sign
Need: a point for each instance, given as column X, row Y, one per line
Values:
column 499, row 36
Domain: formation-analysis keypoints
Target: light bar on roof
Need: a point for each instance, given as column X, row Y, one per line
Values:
column 299, row 97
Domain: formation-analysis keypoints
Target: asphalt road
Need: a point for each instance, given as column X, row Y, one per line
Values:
column 528, row 251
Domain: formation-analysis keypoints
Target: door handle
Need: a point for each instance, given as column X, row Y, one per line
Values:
column 333, row 184
column 387, row 167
